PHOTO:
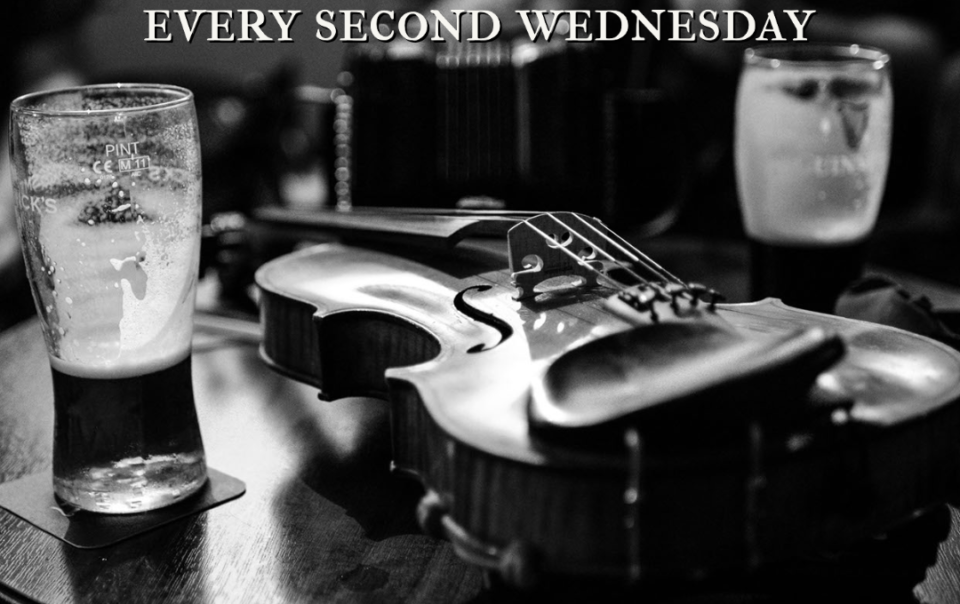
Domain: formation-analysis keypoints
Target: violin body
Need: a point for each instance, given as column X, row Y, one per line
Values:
column 444, row 339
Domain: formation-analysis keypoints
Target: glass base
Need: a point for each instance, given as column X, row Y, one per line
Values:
column 133, row 485
column 808, row 277
column 129, row 444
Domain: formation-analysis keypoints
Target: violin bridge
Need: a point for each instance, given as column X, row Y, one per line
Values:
column 561, row 251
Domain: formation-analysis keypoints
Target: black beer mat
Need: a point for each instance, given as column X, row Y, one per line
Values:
column 31, row 498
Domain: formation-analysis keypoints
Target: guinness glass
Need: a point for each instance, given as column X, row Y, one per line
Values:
column 107, row 184
column 813, row 128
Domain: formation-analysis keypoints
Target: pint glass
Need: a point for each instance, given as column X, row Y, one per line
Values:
column 107, row 187
column 813, row 125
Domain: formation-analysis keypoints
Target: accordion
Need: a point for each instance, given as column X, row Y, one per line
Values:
column 504, row 126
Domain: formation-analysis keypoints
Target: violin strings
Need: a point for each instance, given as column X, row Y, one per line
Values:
column 600, row 250
column 628, row 250
column 633, row 253
column 693, row 291
column 579, row 260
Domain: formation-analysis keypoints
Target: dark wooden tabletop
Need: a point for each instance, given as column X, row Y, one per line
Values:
column 323, row 519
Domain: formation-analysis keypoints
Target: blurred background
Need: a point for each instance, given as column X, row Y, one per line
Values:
column 637, row 133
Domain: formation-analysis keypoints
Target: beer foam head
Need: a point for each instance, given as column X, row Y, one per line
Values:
column 123, row 289
column 129, row 364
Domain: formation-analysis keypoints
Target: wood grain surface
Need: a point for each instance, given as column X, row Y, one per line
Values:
column 322, row 518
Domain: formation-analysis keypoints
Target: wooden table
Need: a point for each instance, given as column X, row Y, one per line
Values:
column 322, row 519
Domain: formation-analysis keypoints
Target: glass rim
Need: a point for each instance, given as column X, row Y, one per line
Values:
column 23, row 104
column 817, row 54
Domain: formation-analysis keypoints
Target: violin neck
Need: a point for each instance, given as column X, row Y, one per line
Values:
column 417, row 227
column 543, row 246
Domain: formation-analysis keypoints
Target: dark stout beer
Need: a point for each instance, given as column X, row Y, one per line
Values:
column 810, row 277
column 813, row 131
column 126, row 444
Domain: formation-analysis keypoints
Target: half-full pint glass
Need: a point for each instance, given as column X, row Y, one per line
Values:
column 813, row 131
column 107, row 187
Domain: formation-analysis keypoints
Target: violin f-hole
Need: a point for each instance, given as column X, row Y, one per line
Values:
column 481, row 316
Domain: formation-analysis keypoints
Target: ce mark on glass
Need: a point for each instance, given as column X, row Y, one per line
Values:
column 130, row 163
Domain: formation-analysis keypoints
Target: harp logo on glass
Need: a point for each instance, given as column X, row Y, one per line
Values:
column 121, row 157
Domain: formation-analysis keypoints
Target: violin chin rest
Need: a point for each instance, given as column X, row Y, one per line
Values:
column 693, row 371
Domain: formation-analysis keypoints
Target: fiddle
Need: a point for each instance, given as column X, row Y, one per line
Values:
column 573, row 408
